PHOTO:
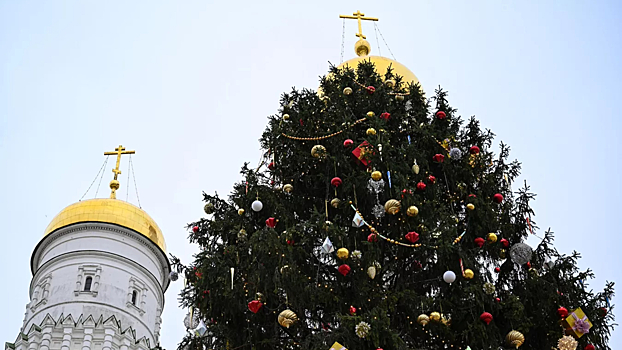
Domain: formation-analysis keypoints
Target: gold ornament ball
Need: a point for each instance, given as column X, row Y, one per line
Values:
column 285, row 116
column 288, row 188
column 347, row 90
column 318, row 151
column 435, row 316
column 371, row 114
column 468, row 274
column 515, row 338
column 423, row 319
column 371, row 131
column 470, row 206
column 335, row 202
column 492, row 238
column 399, row 98
column 376, row 175
column 502, row 253
column 412, row 211
column 390, row 83
column 392, row 206
column 287, row 318
column 240, row 212
column 343, row 253
column 208, row 208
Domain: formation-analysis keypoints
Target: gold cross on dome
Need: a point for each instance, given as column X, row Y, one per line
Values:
column 114, row 184
column 359, row 16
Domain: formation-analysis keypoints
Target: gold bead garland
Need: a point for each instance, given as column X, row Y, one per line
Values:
column 318, row 138
column 388, row 93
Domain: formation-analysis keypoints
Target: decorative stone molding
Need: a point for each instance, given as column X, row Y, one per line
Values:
column 41, row 293
column 140, row 288
column 85, row 271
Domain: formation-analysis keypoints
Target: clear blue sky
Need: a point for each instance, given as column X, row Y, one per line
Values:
column 189, row 84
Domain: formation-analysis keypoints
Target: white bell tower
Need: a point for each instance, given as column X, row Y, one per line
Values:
column 99, row 277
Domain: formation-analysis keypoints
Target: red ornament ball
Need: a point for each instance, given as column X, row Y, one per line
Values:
column 352, row 310
column 486, row 317
column 348, row 143
column 480, row 241
column 336, row 182
column 432, row 179
column 497, row 269
column 562, row 312
column 371, row 90
column 474, row 150
column 498, row 300
column 589, row 347
column 290, row 242
column 497, row 198
column 441, row 115
column 504, row 242
column 439, row 158
column 344, row 269
column 385, row 116
column 372, row 238
column 421, row 186
column 603, row 311
column 195, row 229
column 529, row 264
column 255, row 306
column 271, row 222
column 412, row 237
column 271, row 165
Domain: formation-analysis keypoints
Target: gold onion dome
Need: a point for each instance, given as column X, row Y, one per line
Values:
column 112, row 211
column 382, row 64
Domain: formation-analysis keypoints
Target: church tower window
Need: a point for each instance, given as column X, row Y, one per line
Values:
column 87, row 284
column 134, row 296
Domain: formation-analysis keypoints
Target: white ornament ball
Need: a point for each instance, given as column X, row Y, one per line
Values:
column 257, row 205
column 449, row 276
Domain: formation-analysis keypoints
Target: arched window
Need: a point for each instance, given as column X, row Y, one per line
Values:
column 134, row 296
column 87, row 284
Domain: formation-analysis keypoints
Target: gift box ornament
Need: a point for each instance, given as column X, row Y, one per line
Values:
column 577, row 323
column 363, row 153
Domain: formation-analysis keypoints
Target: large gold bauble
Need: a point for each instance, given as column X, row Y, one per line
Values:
column 208, row 208
column 376, row 175
column 515, row 338
column 318, row 151
column 392, row 206
column 288, row 188
column 240, row 211
column 423, row 319
column 343, row 253
column 435, row 316
column 335, row 202
column 347, row 90
column 470, row 206
column 492, row 238
column 412, row 211
column 371, row 132
column 468, row 274
column 287, row 318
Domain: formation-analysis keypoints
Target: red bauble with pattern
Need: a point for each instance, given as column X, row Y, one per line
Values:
column 474, row 150
column 372, row 238
column 371, row 90
column 348, row 143
column 497, row 198
column 385, row 116
column 255, row 306
column 441, row 115
column 271, row 222
column 344, row 269
column 486, row 317
column 432, row 179
column 562, row 312
column 336, row 182
column 439, row 158
column 480, row 241
column 195, row 229
column 421, row 186
column 412, row 237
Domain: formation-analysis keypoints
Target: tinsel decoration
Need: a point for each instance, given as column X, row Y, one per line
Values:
column 376, row 187
column 567, row 342
column 287, row 318
column 362, row 329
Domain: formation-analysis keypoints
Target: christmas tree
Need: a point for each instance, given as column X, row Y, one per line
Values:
column 379, row 218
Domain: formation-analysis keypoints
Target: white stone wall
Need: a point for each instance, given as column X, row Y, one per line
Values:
column 118, row 262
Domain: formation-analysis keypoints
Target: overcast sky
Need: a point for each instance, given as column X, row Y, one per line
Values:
column 188, row 85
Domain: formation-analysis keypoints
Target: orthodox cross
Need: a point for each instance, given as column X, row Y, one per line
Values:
column 359, row 16
column 114, row 184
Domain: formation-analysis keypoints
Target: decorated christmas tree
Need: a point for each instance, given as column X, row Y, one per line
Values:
column 380, row 218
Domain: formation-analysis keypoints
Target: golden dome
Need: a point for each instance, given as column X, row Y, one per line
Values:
column 112, row 211
column 362, row 48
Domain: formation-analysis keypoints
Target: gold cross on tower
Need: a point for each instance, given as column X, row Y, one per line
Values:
column 359, row 16
column 114, row 184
